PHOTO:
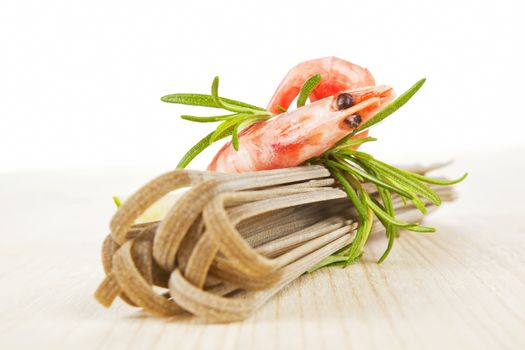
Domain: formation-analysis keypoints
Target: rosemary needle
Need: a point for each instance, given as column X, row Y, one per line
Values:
column 307, row 89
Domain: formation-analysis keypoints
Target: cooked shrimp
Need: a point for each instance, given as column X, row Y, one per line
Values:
column 341, row 102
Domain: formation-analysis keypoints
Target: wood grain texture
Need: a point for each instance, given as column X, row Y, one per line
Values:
column 463, row 287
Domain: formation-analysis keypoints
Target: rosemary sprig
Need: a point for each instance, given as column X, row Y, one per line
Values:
column 351, row 168
column 242, row 115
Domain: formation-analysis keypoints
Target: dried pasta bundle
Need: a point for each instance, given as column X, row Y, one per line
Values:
column 232, row 240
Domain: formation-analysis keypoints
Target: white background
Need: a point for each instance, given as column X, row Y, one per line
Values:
column 80, row 82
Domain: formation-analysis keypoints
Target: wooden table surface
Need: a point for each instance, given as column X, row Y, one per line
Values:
column 463, row 287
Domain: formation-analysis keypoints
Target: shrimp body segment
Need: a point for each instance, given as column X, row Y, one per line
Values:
column 336, row 75
column 294, row 137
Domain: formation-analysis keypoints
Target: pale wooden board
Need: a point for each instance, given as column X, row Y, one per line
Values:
column 463, row 287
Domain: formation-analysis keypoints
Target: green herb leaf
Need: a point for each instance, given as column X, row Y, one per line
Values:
column 393, row 106
column 204, row 100
column 364, row 175
column 307, row 89
column 223, row 104
column 235, row 137
column 361, row 210
column 228, row 124
column 281, row 109
column 391, row 230
column 328, row 261
column 201, row 146
column 117, row 201
column 210, row 119
column 349, row 143
column 435, row 181
column 408, row 182
column 363, row 232
column 420, row 228
column 387, row 218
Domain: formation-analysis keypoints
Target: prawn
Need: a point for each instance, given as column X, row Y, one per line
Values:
column 345, row 98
